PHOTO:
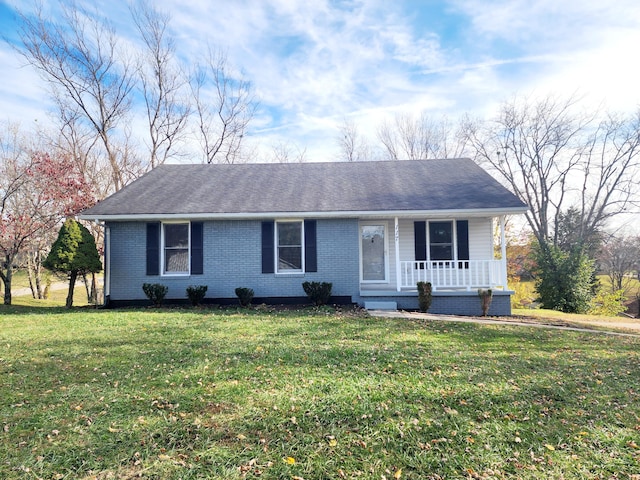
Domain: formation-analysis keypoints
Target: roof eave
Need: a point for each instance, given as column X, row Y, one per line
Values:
column 477, row 212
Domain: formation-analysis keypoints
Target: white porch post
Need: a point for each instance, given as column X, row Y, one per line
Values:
column 397, row 245
column 503, row 251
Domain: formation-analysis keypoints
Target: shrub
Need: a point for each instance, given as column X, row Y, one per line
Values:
column 607, row 303
column 424, row 296
column 564, row 280
column 245, row 295
column 318, row 292
column 196, row 294
column 155, row 292
column 524, row 293
column 485, row 300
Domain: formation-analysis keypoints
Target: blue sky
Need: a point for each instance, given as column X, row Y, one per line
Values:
column 315, row 63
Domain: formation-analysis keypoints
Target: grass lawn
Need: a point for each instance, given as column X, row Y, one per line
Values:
column 188, row 393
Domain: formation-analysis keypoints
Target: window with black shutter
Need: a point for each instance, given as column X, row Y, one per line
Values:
column 289, row 246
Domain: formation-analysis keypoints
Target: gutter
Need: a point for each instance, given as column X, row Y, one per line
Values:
column 480, row 212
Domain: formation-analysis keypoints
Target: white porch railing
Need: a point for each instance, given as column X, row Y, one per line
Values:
column 449, row 274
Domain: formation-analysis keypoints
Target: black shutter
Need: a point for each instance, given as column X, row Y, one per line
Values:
column 420, row 237
column 268, row 262
column 310, row 249
column 153, row 248
column 197, row 249
column 462, row 229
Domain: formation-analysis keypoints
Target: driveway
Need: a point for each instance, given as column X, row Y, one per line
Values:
column 609, row 327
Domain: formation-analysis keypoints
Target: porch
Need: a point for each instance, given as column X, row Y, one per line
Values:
column 460, row 260
column 460, row 275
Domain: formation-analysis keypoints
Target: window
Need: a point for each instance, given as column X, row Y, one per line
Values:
column 440, row 241
column 175, row 241
column 289, row 245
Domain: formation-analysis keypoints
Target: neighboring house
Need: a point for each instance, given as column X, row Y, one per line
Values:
column 372, row 229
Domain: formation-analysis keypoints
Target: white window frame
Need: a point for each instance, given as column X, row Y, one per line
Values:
column 163, row 271
column 288, row 271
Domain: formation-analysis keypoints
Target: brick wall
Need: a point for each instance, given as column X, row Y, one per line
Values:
column 447, row 303
column 232, row 258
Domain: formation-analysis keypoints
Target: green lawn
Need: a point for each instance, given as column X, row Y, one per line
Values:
column 182, row 393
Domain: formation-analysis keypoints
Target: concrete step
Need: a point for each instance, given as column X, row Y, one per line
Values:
column 380, row 305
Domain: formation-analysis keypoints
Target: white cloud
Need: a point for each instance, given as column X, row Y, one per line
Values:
column 314, row 63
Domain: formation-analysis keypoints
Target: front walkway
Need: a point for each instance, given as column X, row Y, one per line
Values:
column 530, row 322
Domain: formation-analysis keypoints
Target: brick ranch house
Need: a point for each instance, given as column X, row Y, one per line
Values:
column 372, row 229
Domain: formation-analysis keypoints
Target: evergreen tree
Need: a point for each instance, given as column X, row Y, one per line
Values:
column 74, row 253
column 565, row 279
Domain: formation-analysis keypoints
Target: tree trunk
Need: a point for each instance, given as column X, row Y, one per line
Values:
column 94, row 289
column 34, row 263
column 30, row 276
column 37, row 266
column 6, row 278
column 86, row 286
column 72, row 283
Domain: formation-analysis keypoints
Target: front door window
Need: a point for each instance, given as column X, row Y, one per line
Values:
column 374, row 265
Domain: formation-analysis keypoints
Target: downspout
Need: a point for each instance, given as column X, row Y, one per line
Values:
column 107, row 266
column 503, row 251
column 397, row 245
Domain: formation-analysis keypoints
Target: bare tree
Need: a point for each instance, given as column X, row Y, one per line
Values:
column 618, row 259
column 14, row 233
column 163, row 84
column 409, row 138
column 609, row 169
column 89, row 78
column 287, row 152
column 353, row 146
column 556, row 158
column 74, row 138
column 224, row 106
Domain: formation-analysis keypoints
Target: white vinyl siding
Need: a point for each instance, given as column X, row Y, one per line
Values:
column 480, row 239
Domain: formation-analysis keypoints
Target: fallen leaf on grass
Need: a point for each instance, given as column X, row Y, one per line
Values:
column 549, row 447
column 290, row 461
column 398, row 474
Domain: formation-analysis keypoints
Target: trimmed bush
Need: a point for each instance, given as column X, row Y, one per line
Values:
column 245, row 295
column 155, row 292
column 196, row 294
column 424, row 296
column 318, row 292
column 485, row 300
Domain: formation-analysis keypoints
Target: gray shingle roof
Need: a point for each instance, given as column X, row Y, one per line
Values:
column 341, row 187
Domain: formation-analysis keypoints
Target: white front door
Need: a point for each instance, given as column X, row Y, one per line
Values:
column 373, row 252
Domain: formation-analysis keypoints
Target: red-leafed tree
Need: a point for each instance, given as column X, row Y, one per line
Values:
column 37, row 191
